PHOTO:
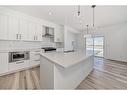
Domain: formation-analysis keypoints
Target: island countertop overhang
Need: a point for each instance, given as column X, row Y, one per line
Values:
column 66, row 60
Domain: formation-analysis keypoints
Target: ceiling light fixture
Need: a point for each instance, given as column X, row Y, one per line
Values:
column 93, row 6
column 78, row 10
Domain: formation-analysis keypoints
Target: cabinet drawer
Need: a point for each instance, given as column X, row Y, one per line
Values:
column 18, row 65
column 34, row 62
column 34, row 56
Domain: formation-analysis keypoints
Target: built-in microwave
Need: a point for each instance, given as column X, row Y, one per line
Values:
column 18, row 56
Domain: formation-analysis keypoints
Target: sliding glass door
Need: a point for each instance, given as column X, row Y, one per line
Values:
column 95, row 46
column 89, row 45
column 98, row 46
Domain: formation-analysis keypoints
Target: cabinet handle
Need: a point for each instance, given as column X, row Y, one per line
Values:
column 16, row 36
column 36, row 38
column 37, row 51
column 19, row 62
column 20, row 36
column 37, row 54
column 37, row 60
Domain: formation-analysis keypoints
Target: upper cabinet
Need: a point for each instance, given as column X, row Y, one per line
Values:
column 30, row 30
column 24, row 26
column 14, row 27
column 38, row 32
column 9, row 27
column 59, row 34
column 3, row 26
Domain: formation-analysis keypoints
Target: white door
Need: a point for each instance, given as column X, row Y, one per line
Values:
column 3, row 26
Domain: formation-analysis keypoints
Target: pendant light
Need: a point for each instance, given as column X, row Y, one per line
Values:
column 93, row 26
column 87, row 35
column 78, row 10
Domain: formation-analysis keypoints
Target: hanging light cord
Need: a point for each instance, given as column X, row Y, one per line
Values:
column 93, row 16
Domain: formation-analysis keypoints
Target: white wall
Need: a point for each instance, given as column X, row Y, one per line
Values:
column 70, row 35
column 81, row 43
column 115, row 41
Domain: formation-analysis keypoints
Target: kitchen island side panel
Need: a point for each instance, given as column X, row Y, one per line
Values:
column 46, row 74
column 71, row 77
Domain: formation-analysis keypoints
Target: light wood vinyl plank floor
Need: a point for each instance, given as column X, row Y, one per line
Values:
column 27, row 79
column 106, row 74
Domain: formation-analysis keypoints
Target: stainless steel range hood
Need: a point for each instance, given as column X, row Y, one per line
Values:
column 49, row 32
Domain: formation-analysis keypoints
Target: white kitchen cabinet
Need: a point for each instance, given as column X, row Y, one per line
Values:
column 59, row 34
column 18, row 28
column 13, row 28
column 34, row 31
column 34, row 62
column 9, row 27
column 31, row 31
column 35, row 57
column 3, row 63
column 38, row 32
column 24, row 24
column 18, row 65
column 3, row 26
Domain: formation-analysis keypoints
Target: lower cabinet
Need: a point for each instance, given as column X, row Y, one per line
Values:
column 18, row 65
column 35, row 57
column 34, row 62
column 3, row 63
column 6, row 67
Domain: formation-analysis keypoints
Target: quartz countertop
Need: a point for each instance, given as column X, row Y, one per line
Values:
column 15, row 50
column 66, row 59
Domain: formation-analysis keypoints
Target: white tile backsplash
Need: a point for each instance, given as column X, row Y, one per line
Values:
column 7, row 45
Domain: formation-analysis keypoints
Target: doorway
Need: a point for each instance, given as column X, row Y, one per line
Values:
column 95, row 46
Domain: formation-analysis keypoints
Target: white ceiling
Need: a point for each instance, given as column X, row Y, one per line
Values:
column 104, row 15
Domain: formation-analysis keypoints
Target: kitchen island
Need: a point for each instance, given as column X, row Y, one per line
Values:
column 60, row 70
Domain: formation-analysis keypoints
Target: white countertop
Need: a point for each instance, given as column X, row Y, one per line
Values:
column 66, row 59
column 15, row 50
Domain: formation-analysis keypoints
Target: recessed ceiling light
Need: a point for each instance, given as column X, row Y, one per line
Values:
column 50, row 13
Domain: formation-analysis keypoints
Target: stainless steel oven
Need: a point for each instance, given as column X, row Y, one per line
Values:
column 18, row 56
